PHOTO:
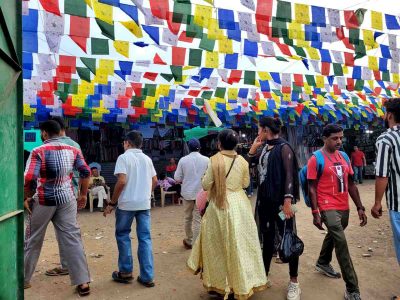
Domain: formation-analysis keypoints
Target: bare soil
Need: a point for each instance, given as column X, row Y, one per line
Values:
column 379, row 275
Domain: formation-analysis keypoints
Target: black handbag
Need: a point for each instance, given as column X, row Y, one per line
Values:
column 291, row 245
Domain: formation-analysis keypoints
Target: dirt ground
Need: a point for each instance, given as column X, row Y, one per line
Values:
column 379, row 275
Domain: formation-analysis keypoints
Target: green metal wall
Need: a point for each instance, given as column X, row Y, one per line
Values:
column 11, row 153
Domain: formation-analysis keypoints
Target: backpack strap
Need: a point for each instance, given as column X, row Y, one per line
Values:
column 320, row 162
column 345, row 156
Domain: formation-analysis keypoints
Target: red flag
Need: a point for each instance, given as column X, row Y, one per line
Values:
column 286, row 89
column 184, row 38
column 178, row 56
column 150, row 76
column 235, row 76
column 51, row 6
column 298, row 80
column 80, row 41
column 173, row 27
column 263, row 16
column 284, row 49
column 377, row 75
column 194, row 93
column 350, row 84
column 137, row 88
column 348, row 59
column 350, row 19
column 336, row 90
column 157, row 60
column 160, row 8
column 325, row 68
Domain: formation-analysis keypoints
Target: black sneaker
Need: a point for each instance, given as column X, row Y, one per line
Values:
column 327, row 270
column 352, row 296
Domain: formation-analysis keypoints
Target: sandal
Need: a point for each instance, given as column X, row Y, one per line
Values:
column 121, row 278
column 27, row 285
column 83, row 291
column 146, row 284
column 57, row 272
column 395, row 298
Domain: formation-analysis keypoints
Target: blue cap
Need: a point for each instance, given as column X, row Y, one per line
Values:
column 194, row 145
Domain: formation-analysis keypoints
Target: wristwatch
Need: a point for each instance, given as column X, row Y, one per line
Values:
column 361, row 208
column 113, row 204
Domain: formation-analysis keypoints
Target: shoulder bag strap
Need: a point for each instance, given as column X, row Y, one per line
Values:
column 230, row 167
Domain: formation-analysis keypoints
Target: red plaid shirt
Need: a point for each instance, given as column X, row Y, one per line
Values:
column 49, row 172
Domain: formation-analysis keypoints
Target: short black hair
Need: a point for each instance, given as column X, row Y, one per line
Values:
column 60, row 121
column 393, row 106
column 51, row 127
column 228, row 139
column 163, row 175
column 135, row 138
column 92, row 168
column 331, row 128
column 274, row 124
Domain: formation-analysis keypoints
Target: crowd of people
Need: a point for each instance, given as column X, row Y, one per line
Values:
column 231, row 247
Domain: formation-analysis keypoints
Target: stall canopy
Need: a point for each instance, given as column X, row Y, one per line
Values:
column 187, row 63
column 200, row 132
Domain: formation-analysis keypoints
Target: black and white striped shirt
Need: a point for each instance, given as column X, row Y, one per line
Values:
column 388, row 164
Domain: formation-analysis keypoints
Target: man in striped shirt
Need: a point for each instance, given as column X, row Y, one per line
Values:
column 388, row 170
column 48, row 173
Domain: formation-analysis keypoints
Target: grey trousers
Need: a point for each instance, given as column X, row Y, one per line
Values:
column 192, row 221
column 68, row 237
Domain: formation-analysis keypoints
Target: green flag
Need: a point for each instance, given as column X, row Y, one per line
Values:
column 75, row 8
column 177, row 72
column 193, row 30
column 207, row 95
column 284, row 11
column 300, row 51
column 354, row 36
column 359, row 86
column 182, row 12
column 279, row 28
column 167, row 77
column 106, row 29
column 195, row 57
column 311, row 80
column 90, row 63
column 249, row 77
column 206, row 43
column 100, row 46
column 220, row 92
column 84, row 73
column 337, row 69
column 150, row 89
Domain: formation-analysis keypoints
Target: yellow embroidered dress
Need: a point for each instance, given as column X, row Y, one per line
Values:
column 227, row 252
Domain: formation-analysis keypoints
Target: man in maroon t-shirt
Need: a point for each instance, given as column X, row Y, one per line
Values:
column 358, row 162
column 329, row 194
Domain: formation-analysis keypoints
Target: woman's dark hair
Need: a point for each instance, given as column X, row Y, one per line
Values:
column 331, row 128
column 274, row 124
column 393, row 106
column 228, row 139
column 51, row 127
column 134, row 138
column 162, row 176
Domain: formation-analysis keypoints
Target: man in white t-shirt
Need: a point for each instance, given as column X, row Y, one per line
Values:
column 189, row 172
column 132, row 193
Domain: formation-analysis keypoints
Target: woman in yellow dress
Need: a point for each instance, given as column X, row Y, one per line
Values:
column 227, row 253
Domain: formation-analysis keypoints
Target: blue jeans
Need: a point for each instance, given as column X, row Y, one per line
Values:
column 395, row 220
column 358, row 174
column 249, row 189
column 123, row 224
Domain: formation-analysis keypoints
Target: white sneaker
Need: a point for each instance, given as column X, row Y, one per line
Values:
column 294, row 291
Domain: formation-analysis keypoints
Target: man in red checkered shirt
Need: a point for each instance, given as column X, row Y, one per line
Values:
column 48, row 176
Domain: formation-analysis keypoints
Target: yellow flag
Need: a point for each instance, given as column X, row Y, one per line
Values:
column 345, row 69
column 28, row 111
column 163, row 89
column 86, row 88
column 210, row 1
column 302, row 13
column 212, row 103
column 376, row 20
column 307, row 88
column 150, row 102
column 101, row 77
column 122, row 47
column 212, row 60
column 220, row 100
column 287, row 97
column 313, row 53
column 262, row 105
column 320, row 81
column 320, row 100
column 303, row 44
column 368, row 36
column 314, row 109
column 232, row 93
column 296, row 31
column 225, row 46
column 184, row 77
column 103, row 12
column 214, row 32
column 202, row 15
column 373, row 63
column 395, row 78
column 97, row 117
column 79, row 100
column 188, row 68
column 264, row 75
column 106, row 65
column 134, row 28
